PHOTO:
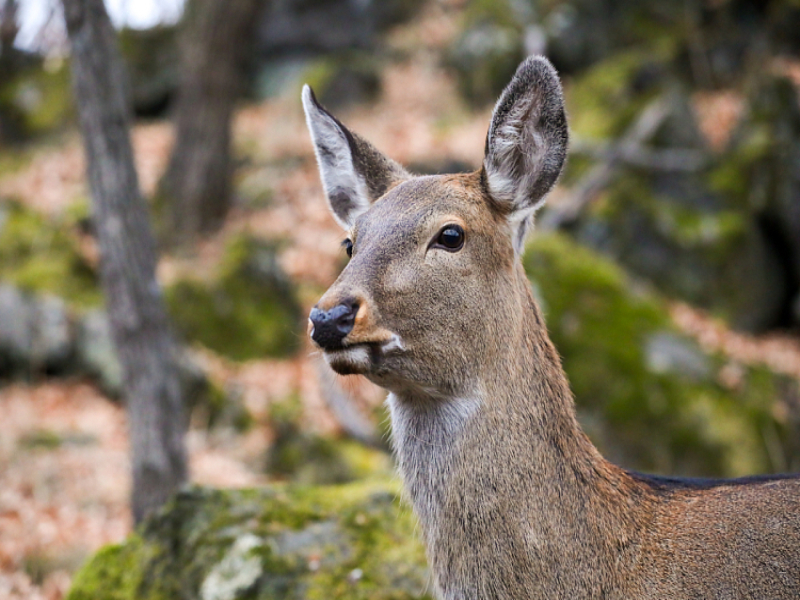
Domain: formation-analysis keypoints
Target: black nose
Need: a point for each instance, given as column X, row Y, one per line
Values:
column 331, row 326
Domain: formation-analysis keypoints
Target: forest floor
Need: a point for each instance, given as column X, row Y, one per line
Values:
column 64, row 467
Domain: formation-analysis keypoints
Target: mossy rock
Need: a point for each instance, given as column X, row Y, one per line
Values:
column 649, row 397
column 40, row 255
column 249, row 311
column 315, row 543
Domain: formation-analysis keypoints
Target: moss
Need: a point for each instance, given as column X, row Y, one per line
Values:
column 41, row 438
column 41, row 255
column 114, row 573
column 691, row 242
column 213, row 406
column 40, row 98
column 649, row 397
column 603, row 101
column 306, row 457
column 248, row 311
column 280, row 542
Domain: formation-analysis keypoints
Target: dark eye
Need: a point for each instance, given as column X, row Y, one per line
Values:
column 348, row 246
column 451, row 238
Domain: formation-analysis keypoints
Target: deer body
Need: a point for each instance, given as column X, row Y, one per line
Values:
column 513, row 500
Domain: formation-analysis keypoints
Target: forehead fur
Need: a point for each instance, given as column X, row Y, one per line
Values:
column 422, row 201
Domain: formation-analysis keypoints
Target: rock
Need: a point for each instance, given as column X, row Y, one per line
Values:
column 351, row 541
column 53, row 343
column 669, row 353
column 348, row 80
column 718, row 235
column 760, row 174
column 16, row 331
column 332, row 45
column 36, row 334
column 97, row 357
column 35, row 99
column 96, row 354
column 302, row 456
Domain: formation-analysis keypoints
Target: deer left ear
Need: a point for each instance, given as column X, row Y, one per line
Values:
column 354, row 173
column 527, row 143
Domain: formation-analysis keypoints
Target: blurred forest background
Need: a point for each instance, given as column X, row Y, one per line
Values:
column 667, row 263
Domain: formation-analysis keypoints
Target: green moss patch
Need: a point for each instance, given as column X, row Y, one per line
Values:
column 248, row 311
column 41, row 255
column 305, row 457
column 38, row 99
column 350, row 542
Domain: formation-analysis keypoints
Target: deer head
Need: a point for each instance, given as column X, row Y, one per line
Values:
column 434, row 289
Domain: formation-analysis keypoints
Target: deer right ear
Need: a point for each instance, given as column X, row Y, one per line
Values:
column 526, row 144
column 354, row 173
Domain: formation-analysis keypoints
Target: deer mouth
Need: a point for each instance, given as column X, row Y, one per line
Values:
column 361, row 357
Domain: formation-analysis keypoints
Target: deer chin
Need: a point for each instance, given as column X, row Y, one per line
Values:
column 361, row 358
column 350, row 360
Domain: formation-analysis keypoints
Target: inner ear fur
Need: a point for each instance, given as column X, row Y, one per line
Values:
column 526, row 145
column 354, row 173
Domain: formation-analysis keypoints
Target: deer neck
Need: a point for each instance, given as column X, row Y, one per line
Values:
column 511, row 461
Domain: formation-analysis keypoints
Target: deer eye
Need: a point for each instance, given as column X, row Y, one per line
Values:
column 450, row 238
column 348, row 247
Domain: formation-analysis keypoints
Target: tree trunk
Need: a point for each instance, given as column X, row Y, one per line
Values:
column 196, row 189
column 139, row 323
column 9, row 27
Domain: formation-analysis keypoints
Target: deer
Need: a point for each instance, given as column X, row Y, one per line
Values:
column 512, row 498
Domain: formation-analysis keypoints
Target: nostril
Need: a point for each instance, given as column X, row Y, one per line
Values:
column 347, row 319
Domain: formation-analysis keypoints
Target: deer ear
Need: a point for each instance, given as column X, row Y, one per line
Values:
column 354, row 174
column 526, row 144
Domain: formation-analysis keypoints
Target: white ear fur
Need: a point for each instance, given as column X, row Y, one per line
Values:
column 526, row 144
column 345, row 188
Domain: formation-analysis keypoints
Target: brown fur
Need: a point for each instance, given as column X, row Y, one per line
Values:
column 513, row 499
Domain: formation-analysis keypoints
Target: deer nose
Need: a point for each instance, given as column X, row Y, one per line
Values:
column 332, row 326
